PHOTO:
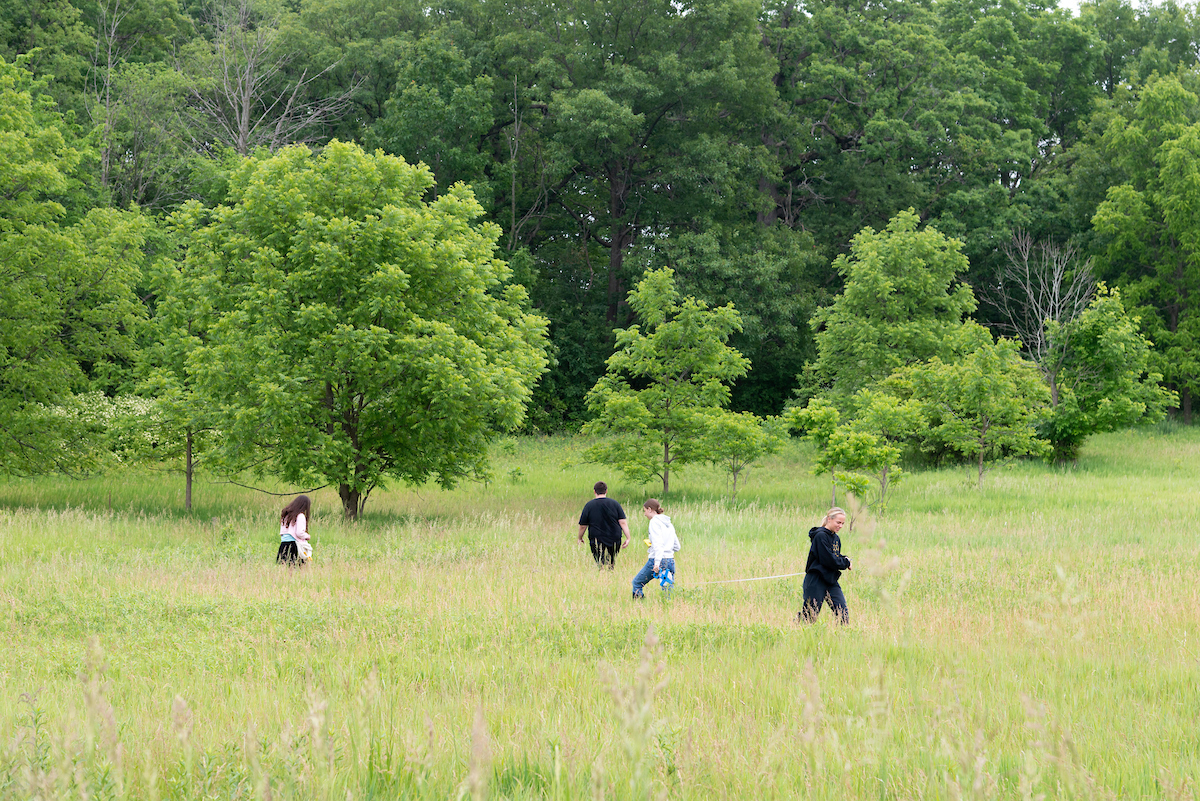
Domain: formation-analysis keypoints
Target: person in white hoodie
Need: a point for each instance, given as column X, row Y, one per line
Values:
column 664, row 542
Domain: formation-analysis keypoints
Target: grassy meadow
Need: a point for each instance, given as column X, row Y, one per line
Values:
column 1038, row 637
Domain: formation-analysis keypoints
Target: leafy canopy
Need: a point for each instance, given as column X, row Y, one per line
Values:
column 984, row 406
column 901, row 305
column 666, row 373
column 1105, row 380
column 67, row 305
column 358, row 333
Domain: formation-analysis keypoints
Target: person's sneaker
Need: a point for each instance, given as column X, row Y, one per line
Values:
column 637, row 596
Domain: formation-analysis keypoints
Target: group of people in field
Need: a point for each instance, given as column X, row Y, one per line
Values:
column 604, row 523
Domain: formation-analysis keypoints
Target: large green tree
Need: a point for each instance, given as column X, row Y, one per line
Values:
column 1148, row 227
column 360, row 333
column 67, row 305
column 622, row 121
column 902, row 304
column 439, row 114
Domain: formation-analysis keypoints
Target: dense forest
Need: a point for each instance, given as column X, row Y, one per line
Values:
column 742, row 145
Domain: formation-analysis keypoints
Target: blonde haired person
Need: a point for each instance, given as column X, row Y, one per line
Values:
column 824, row 568
column 664, row 542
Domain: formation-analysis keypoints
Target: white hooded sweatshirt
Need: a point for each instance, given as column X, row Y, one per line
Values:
column 664, row 542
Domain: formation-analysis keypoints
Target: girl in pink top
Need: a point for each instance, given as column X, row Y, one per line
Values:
column 293, row 532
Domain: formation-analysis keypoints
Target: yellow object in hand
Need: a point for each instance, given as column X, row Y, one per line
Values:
column 647, row 541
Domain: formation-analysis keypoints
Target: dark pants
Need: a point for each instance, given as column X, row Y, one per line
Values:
column 288, row 554
column 604, row 552
column 816, row 591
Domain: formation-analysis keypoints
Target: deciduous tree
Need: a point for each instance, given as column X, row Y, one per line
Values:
column 668, row 371
column 66, row 291
column 359, row 333
column 902, row 304
column 736, row 440
column 1149, row 226
column 984, row 406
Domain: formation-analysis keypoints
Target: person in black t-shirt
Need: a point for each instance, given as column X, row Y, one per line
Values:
column 603, row 520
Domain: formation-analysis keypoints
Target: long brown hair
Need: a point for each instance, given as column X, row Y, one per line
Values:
column 297, row 507
column 653, row 505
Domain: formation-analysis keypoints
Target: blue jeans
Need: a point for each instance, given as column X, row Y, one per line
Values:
column 646, row 574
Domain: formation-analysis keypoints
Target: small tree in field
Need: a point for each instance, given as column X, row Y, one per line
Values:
column 985, row 407
column 860, row 450
column 886, row 422
column 1102, row 379
column 1094, row 360
column 735, row 440
column 818, row 422
column 668, row 371
column 182, row 422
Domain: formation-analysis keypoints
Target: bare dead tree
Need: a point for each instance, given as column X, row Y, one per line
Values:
column 1042, row 289
column 109, row 50
column 242, row 93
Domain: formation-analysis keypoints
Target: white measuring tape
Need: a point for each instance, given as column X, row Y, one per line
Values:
column 739, row 581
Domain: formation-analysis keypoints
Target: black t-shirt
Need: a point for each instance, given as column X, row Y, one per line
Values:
column 600, row 515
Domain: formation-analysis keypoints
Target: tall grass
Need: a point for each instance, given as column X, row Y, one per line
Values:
column 1038, row 637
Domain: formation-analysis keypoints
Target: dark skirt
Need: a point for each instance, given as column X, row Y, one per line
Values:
column 288, row 554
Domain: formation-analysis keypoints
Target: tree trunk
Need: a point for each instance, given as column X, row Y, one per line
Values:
column 1185, row 404
column 767, row 187
column 350, row 501
column 666, row 466
column 621, row 235
column 189, row 468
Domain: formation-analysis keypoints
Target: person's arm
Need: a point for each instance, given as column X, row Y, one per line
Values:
column 625, row 529
column 825, row 555
column 302, row 527
column 582, row 530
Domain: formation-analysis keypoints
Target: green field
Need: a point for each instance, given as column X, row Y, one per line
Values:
column 1038, row 637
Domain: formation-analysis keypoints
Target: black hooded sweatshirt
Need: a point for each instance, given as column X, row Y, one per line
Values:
column 825, row 555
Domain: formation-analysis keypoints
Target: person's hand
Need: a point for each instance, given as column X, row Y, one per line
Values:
column 849, row 564
column 657, row 566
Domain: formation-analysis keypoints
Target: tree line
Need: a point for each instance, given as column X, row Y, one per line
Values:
column 152, row 149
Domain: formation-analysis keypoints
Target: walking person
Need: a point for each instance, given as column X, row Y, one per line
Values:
column 603, row 520
column 293, row 532
column 664, row 542
column 825, row 565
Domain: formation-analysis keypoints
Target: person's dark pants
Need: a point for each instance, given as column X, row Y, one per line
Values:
column 605, row 553
column 816, row 591
column 288, row 554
